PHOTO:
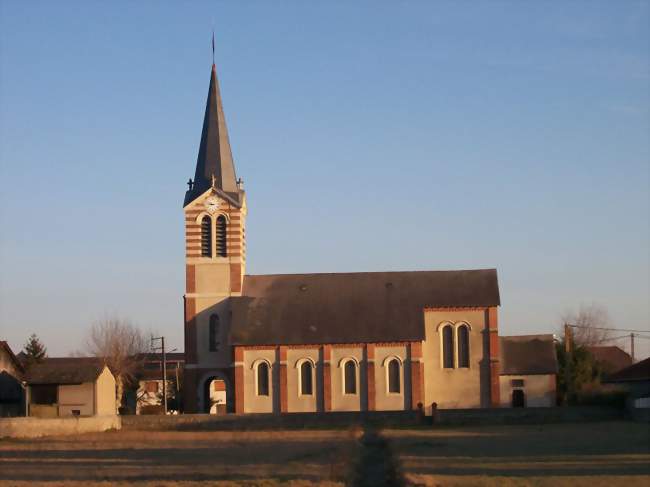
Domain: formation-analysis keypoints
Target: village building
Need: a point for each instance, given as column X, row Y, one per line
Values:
column 326, row 342
column 75, row 386
column 528, row 371
column 149, row 392
column 12, row 392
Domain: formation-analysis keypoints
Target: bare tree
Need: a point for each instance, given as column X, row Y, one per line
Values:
column 589, row 322
column 121, row 345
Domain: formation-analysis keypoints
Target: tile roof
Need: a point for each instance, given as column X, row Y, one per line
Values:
column 611, row 358
column 639, row 371
column 65, row 370
column 352, row 307
column 527, row 355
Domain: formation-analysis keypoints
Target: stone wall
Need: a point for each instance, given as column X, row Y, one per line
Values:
column 526, row 415
column 249, row 421
column 35, row 427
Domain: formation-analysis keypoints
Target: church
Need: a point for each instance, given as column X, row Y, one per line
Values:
column 367, row 341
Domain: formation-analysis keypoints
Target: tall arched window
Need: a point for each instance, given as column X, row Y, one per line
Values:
column 463, row 346
column 394, row 379
column 213, row 338
column 262, row 379
column 306, row 382
column 448, row 347
column 350, row 377
column 221, row 236
column 206, row 236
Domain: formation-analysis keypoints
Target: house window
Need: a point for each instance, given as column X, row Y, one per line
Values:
column 221, row 236
column 262, row 379
column 306, row 378
column 151, row 386
column 213, row 342
column 448, row 347
column 517, row 382
column 206, row 237
column 76, row 412
column 463, row 346
column 394, row 386
column 350, row 377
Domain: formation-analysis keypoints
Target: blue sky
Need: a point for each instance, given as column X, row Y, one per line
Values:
column 370, row 136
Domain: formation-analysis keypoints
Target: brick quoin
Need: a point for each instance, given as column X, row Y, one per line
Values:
column 370, row 378
column 239, row 380
column 417, row 374
column 284, row 397
column 493, row 328
column 327, row 378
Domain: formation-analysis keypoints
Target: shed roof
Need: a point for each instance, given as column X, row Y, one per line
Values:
column 527, row 355
column 352, row 307
column 65, row 370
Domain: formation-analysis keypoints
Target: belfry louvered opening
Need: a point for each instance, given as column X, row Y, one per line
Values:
column 221, row 236
column 206, row 237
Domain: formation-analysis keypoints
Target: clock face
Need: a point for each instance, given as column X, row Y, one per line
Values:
column 212, row 204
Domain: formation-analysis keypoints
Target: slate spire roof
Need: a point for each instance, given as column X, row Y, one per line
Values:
column 215, row 157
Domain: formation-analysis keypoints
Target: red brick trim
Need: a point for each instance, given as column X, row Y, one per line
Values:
column 327, row 378
column 370, row 376
column 239, row 380
column 417, row 374
column 190, row 330
column 493, row 330
column 284, row 396
column 190, row 281
column 456, row 308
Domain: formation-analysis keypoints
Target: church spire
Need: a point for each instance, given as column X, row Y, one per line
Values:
column 214, row 165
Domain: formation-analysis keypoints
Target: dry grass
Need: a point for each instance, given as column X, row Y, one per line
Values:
column 594, row 455
column 297, row 458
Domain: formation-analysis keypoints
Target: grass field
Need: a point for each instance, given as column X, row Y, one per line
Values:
column 591, row 454
column 594, row 455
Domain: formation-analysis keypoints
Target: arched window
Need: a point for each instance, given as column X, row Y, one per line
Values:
column 463, row 346
column 262, row 379
column 306, row 382
column 350, row 377
column 221, row 236
column 206, row 236
column 213, row 338
column 448, row 347
column 394, row 386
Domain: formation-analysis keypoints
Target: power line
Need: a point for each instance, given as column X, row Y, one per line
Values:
column 615, row 338
column 609, row 329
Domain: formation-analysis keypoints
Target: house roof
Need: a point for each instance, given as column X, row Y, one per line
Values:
column 215, row 156
column 65, row 370
column 14, row 359
column 527, row 355
column 639, row 371
column 157, row 357
column 352, row 307
column 611, row 358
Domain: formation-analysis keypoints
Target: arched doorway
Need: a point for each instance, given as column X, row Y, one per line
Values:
column 216, row 396
column 518, row 398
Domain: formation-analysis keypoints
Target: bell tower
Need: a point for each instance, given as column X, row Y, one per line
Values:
column 215, row 255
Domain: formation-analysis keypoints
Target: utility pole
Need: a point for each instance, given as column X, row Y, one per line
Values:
column 164, row 371
column 632, row 345
column 567, row 362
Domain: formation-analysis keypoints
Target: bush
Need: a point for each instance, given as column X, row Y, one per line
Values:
column 601, row 398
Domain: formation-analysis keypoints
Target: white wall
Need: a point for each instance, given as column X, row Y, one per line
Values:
column 539, row 390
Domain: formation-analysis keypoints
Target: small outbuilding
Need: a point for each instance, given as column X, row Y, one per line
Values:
column 12, row 393
column 75, row 386
column 529, row 369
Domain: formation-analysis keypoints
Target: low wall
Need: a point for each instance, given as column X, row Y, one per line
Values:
column 213, row 422
column 35, row 427
column 527, row 415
